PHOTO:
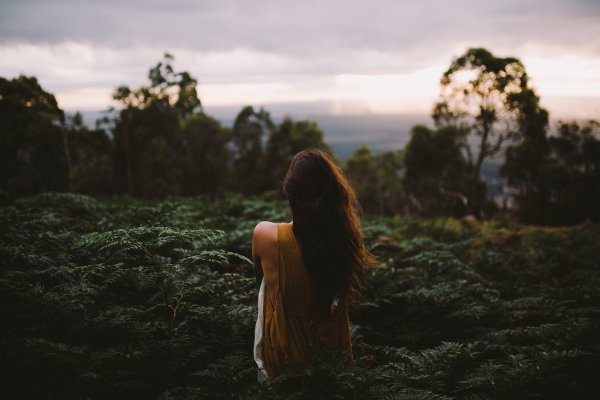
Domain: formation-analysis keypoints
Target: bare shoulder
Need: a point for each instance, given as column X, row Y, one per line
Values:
column 264, row 253
column 264, row 239
column 265, row 230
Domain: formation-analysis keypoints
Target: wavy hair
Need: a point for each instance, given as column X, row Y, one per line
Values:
column 325, row 222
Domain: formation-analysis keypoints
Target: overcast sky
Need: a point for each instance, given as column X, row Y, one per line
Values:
column 350, row 56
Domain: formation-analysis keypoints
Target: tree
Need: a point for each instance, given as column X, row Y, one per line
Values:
column 145, row 130
column 284, row 142
column 437, row 175
column 184, row 99
column 556, row 178
column 390, row 190
column 488, row 97
column 250, row 131
column 90, row 154
column 362, row 173
column 575, row 172
column 376, row 179
column 169, row 90
column 32, row 149
column 202, row 155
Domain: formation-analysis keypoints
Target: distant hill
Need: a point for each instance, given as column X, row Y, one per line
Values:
column 345, row 133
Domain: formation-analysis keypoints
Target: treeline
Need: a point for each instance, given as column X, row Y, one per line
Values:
column 159, row 142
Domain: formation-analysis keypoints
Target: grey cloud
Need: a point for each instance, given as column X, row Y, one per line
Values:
column 310, row 40
column 304, row 28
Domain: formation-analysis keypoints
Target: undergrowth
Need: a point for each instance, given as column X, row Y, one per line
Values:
column 122, row 298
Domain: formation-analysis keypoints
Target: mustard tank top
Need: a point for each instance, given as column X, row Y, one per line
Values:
column 294, row 324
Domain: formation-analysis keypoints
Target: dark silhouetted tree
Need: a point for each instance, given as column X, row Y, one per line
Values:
column 361, row 170
column 32, row 149
column 389, row 166
column 575, row 172
column 556, row 179
column 437, row 176
column 377, row 180
column 91, row 157
column 526, row 159
column 251, row 130
column 202, row 155
column 286, row 140
column 488, row 97
column 146, row 128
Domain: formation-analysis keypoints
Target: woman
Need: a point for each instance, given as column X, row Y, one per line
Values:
column 313, row 266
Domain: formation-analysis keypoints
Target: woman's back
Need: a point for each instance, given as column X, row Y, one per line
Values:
column 307, row 264
column 295, row 322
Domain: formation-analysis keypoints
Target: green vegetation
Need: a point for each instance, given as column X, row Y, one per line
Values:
column 151, row 293
column 490, row 98
column 130, row 298
column 159, row 143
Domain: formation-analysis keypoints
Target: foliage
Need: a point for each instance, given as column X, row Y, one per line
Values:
column 31, row 143
column 90, row 157
column 158, row 142
column 130, row 298
column 201, row 146
column 250, row 130
column 145, row 131
column 289, row 138
column 489, row 97
column 376, row 179
column 262, row 151
column 437, row 174
column 556, row 178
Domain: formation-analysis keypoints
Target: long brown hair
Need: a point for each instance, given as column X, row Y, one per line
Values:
column 326, row 225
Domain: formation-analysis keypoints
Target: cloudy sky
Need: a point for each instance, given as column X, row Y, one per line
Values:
column 352, row 56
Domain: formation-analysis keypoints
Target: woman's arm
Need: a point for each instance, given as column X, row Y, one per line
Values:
column 264, row 254
column 258, row 271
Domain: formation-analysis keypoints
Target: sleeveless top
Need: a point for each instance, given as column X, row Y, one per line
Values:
column 290, row 323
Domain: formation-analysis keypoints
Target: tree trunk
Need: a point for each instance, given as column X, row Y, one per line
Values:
column 68, row 157
column 471, row 206
column 128, row 163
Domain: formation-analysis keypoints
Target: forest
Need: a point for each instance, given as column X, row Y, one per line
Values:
column 160, row 143
column 126, row 267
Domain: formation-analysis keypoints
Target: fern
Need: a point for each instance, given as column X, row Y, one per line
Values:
column 127, row 298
